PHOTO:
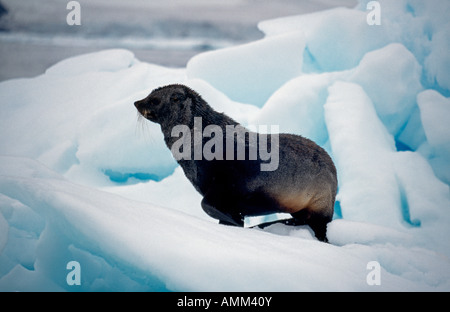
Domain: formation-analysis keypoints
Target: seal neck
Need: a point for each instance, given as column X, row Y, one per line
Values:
column 209, row 116
column 197, row 115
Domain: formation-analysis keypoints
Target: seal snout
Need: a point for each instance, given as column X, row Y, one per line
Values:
column 141, row 106
column 143, row 109
column 138, row 104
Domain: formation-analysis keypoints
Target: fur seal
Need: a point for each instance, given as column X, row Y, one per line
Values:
column 304, row 183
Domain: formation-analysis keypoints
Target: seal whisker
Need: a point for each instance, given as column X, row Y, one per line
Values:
column 142, row 127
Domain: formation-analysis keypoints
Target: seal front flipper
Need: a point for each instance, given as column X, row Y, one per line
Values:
column 231, row 209
column 290, row 222
column 218, row 207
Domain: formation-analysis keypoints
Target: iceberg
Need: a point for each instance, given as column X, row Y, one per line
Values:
column 83, row 179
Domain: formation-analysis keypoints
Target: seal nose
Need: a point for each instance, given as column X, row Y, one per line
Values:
column 137, row 104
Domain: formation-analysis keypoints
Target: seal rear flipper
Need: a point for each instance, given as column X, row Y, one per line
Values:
column 318, row 224
column 316, row 221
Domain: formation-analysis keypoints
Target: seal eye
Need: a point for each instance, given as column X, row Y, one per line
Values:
column 177, row 98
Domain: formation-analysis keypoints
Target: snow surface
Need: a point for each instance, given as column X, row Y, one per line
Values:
column 83, row 178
